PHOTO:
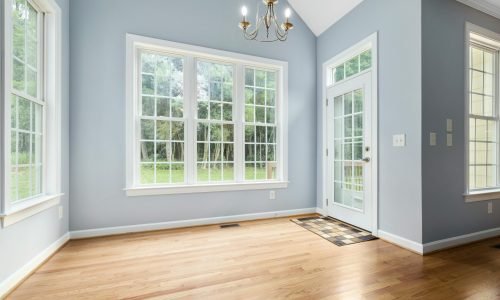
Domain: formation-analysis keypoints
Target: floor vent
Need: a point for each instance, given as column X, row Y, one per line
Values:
column 229, row 225
column 497, row 246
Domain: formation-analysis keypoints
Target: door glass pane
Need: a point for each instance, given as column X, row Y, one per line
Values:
column 348, row 136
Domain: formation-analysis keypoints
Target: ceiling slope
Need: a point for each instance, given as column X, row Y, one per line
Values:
column 491, row 7
column 319, row 15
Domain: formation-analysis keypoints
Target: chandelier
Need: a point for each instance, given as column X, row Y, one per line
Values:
column 267, row 27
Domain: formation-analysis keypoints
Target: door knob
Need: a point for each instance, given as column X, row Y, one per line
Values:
column 366, row 159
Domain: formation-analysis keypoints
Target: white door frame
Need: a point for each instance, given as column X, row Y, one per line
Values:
column 370, row 42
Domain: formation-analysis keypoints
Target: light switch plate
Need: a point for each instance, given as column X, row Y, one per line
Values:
column 399, row 140
column 449, row 125
column 449, row 140
column 433, row 140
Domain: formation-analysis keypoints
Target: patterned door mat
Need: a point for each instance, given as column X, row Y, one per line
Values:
column 335, row 231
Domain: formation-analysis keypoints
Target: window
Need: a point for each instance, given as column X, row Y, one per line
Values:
column 161, row 119
column 215, row 122
column 260, row 124
column 203, row 120
column 351, row 67
column 27, row 104
column 31, row 107
column 483, row 115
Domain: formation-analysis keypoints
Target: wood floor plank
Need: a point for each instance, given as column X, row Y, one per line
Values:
column 266, row 259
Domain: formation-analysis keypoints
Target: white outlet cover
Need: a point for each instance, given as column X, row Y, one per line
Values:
column 449, row 125
column 449, row 140
column 399, row 140
column 433, row 139
column 272, row 195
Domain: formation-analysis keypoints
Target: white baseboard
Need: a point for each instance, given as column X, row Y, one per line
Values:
column 460, row 240
column 400, row 241
column 80, row 234
column 11, row 282
column 320, row 211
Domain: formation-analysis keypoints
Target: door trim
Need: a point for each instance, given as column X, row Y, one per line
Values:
column 371, row 42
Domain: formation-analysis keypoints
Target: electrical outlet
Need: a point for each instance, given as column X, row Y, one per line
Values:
column 490, row 208
column 60, row 212
column 399, row 140
column 272, row 195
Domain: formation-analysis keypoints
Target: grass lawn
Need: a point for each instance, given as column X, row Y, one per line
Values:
column 21, row 186
column 147, row 174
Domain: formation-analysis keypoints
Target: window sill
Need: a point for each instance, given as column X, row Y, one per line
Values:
column 482, row 196
column 29, row 208
column 208, row 188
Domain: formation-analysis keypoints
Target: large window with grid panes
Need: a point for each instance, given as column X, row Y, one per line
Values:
column 483, row 113
column 203, row 118
column 31, row 65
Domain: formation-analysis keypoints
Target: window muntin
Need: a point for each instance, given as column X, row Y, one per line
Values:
column 161, row 119
column 260, row 124
column 214, row 122
column 27, row 104
column 351, row 67
column 483, row 118
column 215, row 126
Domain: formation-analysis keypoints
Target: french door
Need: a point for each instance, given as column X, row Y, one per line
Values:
column 349, row 184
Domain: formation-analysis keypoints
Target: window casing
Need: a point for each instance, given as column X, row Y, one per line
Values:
column 225, row 128
column 31, row 91
column 483, row 119
column 27, row 103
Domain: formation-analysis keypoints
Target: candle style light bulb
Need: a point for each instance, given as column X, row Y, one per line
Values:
column 288, row 13
column 244, row 11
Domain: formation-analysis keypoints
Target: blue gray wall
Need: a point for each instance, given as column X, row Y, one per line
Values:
column 399, row 26
column 445, row 213
column 21, row 242
column 97, row 114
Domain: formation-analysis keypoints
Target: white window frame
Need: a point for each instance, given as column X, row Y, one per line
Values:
column 51, row 156
column 474, row 33
column 134, row 43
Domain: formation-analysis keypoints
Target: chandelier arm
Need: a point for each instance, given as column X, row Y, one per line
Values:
column 268, row 20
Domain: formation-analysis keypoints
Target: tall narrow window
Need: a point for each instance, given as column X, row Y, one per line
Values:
column 31, row 108
column 215, row 128
column 27, row 103
column 162, row 119
column 260, row 124
column 202, row 120
column 483, row 120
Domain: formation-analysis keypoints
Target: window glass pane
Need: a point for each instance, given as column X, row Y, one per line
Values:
column 477, row 59
column 339, row 73
column 489, row 63
column 352, row 66
column 477, row 82
column 162, row 125
column 215, row 108
column 260, row 131
column 25, row 48
column 26, row 149
column 365, row 60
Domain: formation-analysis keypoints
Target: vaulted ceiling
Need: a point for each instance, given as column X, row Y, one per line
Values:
column 319, row 15
column 491, row 7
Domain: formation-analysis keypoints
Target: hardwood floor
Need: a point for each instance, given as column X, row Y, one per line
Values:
column 270, row 259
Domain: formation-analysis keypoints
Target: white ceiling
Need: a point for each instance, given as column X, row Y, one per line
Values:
column 319, row 15
column 491, row 7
